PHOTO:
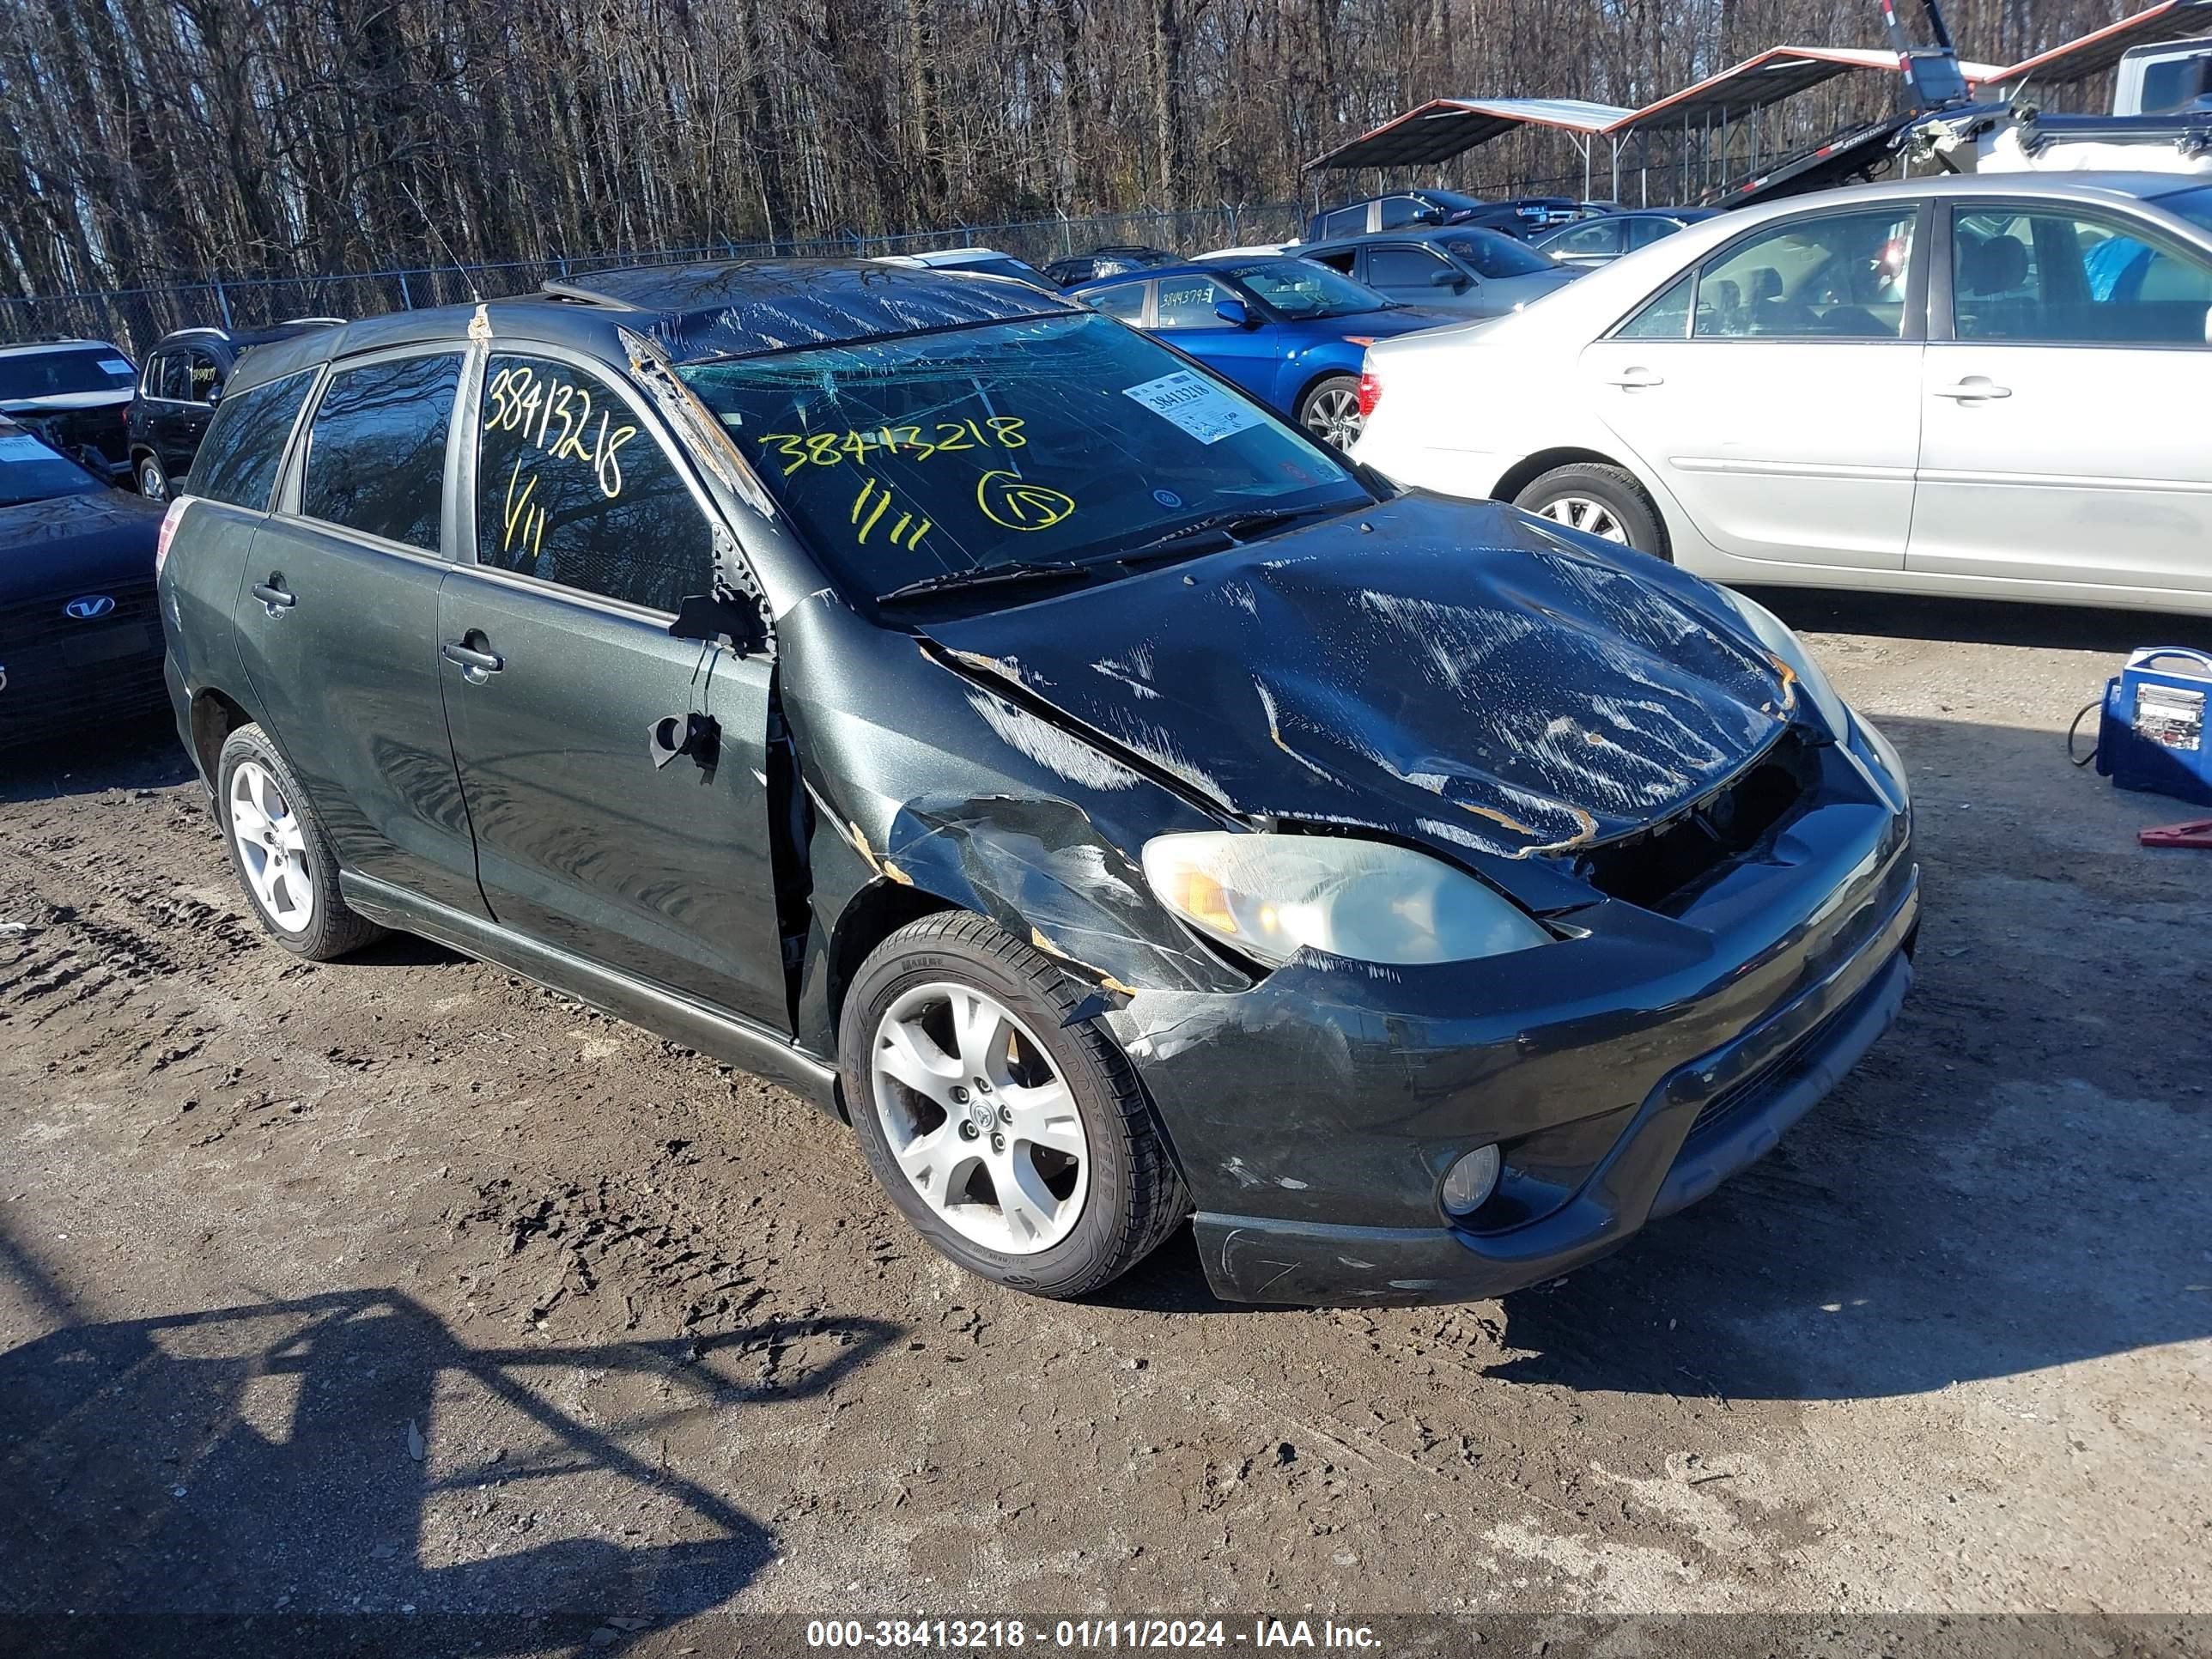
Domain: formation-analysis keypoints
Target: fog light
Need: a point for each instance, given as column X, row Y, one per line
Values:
column 1471, row 1182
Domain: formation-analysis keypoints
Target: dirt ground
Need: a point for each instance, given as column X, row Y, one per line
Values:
column 404, row 1286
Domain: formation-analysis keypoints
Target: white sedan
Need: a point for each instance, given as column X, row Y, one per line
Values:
column 1987, row 385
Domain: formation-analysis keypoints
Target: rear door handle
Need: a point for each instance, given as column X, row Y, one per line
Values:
column 477, row 666
column 275, row 596
column 1635, row 380
column 1973, row 390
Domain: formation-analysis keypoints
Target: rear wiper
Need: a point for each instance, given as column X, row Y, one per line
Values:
column 1242, row 525
column 1021, row 570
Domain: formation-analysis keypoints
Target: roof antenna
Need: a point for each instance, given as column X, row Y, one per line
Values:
column 475, row 293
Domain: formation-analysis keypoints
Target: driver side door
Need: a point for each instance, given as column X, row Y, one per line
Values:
column 1774, row 391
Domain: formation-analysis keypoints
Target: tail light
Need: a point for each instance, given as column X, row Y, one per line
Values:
column 1370, row 391
column 168, row 531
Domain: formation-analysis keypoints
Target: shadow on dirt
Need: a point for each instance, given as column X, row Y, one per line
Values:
column 138, row 754
column 269, row 1477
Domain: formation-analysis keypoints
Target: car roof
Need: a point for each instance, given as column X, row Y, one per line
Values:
column 1407, row 234
column 28, row 348
column 2086, row 187
column 1210, row 269
column 241, row 338
column 696, row 312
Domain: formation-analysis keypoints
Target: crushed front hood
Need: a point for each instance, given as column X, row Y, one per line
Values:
column 1446, row 670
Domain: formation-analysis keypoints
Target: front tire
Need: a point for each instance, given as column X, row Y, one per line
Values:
column 282, row 856
column 153, row 482
column 1022, row 1148
column 1603, row 501
column 1330, row 411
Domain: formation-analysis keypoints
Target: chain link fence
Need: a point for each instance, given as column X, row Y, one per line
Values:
column 137, row 318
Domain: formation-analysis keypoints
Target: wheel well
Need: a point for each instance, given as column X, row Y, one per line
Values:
column 1526, row 473
column 215, row 717
column 876, row 913
column 1306, row 390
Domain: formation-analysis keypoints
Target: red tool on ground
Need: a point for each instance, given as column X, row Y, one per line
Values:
column 2197, row 832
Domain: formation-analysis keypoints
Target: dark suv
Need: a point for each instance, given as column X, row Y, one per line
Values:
column 1116, row 806
column 182, row 382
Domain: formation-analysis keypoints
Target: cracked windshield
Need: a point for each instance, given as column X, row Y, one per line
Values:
column 995, row 449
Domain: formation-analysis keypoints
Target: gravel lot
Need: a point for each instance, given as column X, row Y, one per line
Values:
column 404, row 1286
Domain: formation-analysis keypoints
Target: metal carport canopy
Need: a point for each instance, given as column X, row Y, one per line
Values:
column 2100, row 49
column 1445, row 127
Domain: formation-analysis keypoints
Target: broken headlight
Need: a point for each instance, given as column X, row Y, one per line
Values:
column 1267, row 895
column 1776, row 635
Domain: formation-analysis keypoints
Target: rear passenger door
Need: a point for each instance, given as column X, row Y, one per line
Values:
column 338, row 622
column 588, row 533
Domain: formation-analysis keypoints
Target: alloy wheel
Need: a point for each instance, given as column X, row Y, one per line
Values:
column 1333, row 417
column 977, row 1116
column 153, row 483
column 1591, row 517
column 273, row 848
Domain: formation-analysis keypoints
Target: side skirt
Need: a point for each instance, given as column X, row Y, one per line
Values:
column 725, row 1036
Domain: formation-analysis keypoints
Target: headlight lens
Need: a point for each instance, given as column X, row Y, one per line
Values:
column 1267, row 895
column 1775, row 635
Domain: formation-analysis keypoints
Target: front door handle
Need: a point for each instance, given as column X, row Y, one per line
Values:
column 477, row 666
column 275, row 599
column 1973, row 389
column 1636, row 380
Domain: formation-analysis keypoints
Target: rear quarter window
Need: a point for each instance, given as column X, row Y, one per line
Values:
column 245, row 444
column 376, row 449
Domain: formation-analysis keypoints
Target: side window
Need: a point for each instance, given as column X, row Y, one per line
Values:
column 1667, row 317
column 1642, row 233
column 206, row 378
column 1338, row 261
column 2057, row 278
column 1405, row 267
column 1188, row 302
column 1841, row 278
column 245, row 444
column 1399, row 211
column 1344, row 222
column 376, row 450
column 1126, row 302
column 1598, row 236
column 176, row 379
column 570, row 488
column 149, row 376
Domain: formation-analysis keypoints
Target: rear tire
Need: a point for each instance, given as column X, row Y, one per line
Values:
column 281, row 857
column 153, row 482
column 1330, row 411
column 1599, row 500
column 1052, row 1177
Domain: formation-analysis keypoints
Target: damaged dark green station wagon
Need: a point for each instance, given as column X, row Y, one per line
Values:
column 1116, row 806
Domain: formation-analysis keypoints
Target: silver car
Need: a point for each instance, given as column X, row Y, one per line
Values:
column 1456, row 267
column 1985, row 385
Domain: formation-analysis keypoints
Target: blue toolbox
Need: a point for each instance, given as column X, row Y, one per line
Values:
column 2151, row 736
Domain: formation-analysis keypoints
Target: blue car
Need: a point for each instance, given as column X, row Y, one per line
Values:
column 1292, row 333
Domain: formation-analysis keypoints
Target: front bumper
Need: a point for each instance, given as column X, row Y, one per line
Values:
column 1625, row 1073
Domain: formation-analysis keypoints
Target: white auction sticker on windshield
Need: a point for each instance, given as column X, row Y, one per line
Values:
column 17, row 447
column 115, row 365
column 1197, row 406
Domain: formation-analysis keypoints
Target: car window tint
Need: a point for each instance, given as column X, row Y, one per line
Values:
column 1188, row 302
column 176, row 376
column 1399, row 211
column 1340, row 261
column 1642, row 233
column 1127, row 302
column 572, row 488
column 1344, row 222
column 206, row 378
column 1404, row 267
column 2057, row 277
column 1840, row 277
column 238, row 461
column 376, row 450
column 1666, row 317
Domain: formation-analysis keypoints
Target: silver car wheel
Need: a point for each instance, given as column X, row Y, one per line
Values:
column 977, row 1116
column 1333, row 417
column 273, row 848
column 1592, row 518
column 153, row 482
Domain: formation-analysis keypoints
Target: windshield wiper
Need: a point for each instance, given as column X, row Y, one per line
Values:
column 1021, row 570
column 1242, row 525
